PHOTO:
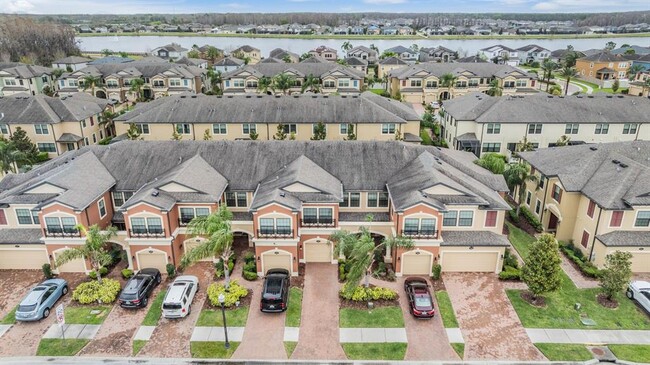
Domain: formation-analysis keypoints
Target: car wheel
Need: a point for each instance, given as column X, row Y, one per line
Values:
column 65, row 290
column 46, row 312
column 629, row 294
column 145, row 301
column 189, row 310
column 158, row 279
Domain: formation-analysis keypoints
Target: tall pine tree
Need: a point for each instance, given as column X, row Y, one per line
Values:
column 23, row 144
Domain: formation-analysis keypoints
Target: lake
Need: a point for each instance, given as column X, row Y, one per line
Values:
column 300, row 46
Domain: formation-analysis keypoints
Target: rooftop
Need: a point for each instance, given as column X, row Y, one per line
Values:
column 25, row 109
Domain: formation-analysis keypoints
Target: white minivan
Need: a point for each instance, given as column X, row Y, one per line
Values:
column 178, row 300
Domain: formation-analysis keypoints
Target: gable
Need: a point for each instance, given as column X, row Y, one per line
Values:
column 300, row 188
column 45, row 189
column 173, row 187
column 441, row 189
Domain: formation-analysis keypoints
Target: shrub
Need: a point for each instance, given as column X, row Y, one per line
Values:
column 586, row 267
column 93, row 275
column 103, row 271
column 385, row 94
column 105, row 141
column 42, row 157
column 93, row 291
column 510, row 273
column 218, row 267
column 342, row 270
column 513, row 216
column 250, row 266
column 530, row 217
column 249, row 257
column 435, row 271
column 534, row 64
column 510, row 260
column 47, row 271
column 250, row 275
column 363, row 294
column 127, row 273
column 171, row 270
column 234, row 294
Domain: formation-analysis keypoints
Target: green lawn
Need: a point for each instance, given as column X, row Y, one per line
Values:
column 374, row 351
column 9, row 318
column 58, row 347
column 634, row 353
column 520, row 240
column 155, row 310
column 377, row 91
column 138, row 345
column 383, row 317
column 294, row 308
column 83, row 315
column 213, row 317
column 564, row 352
column 426, row 138
column 212, row 350
column 289, row 347
column 459, row 348
column 445, row 310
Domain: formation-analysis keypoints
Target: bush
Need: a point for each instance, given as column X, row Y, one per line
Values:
column 103, row 271
column 510, row 260
column 510, row 273
column 435, row 271
column 94, row 292
column 586, row 267
column 234, row 294
column 218, row 267
column 250, row 275
column 171, row 270
column 363, row 294
column 127, row 273
column 534, row 64
column 385, row 94
column 93, row 275
column 532, row 219
column 47, row 271
column 42, row 157
column 249, row 257
column 513, row 216
column 105, row 141
column 342, row 271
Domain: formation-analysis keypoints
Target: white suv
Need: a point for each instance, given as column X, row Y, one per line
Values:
column 178, row 300
column 640, row 291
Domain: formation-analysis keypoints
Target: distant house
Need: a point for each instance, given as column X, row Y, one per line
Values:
column 228, row 64
column 559, row 55
column 171, row 51
column 638, row 50
column 363, row 53
column 357, row 30
column 72, row 63
column 198, row 62
column 388, row 64
column 18, row 78
column 437, row 54
column 532, row 53
column 389, row 31
column 501, row 55
column 284, row 55
column 403, row 53
column 357, row 64
column 373, row 30
column 253, row 54
column 603, row 66
column 327, row 53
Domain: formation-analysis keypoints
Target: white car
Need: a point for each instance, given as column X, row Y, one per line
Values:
column 179, row 297
column 640, row 291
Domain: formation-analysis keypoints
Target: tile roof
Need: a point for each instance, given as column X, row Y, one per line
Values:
column 28, row 109
column 625, row 238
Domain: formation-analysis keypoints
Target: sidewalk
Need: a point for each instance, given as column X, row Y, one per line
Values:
column 622, row 337
column 235, row 334
column 579, row 280
column 4, row 328
column 372, row 335
column 78, row 331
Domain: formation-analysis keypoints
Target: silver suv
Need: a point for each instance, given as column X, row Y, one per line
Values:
column 179, row 297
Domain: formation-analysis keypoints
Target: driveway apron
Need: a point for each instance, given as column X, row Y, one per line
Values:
column 319, row 324
column 490, row 326
column 14, row 285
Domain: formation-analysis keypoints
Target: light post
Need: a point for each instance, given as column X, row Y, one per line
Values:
column 222, row 300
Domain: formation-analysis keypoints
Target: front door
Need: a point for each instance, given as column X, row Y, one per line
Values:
column 552, row 222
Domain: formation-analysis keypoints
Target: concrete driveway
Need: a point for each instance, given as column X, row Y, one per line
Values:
column 490, row 326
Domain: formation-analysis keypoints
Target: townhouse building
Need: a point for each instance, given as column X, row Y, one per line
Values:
column 500, row 54
column 596, row 197
column 228, row 64
column 159, row 79
column 18, row 78
column 368, row 116
column 480, row 123
column 364, row 53
column 640, row 86
column 285, row 206
column 603, row 66
column 330, row 54
column 423, row 83
column 252, row 54
column 334, row 78
column 405, row 54
column 55, row 125
column 532, row 53
column 172, row 51
column 71, row 63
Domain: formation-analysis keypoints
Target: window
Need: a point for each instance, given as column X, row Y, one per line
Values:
column 535, row 128
column 388, row 128
column 343, row 128
column 10, row 82
column 571, row 128
column 41, row 129
column 419, row 226
column 528, row 196
column 512, row 147
column 491, row 218
column 473, row 83
column 187, row 83
column 591, row 208
column 251, row 84
column 538, row 206
column 617, row 218
column 238, row 83
column 317, row 215
column 542, row 181
column 142, row 128
column 188, row 213
column 431, row 84
column 629, row 128
column 61, row 225
column 642, row 219
column 329, row 84
column 585, row 239
column 344, row 83
column 101, row 205
column 73, row 83
column 493, row 128
column 83, row 123
column 120, row 197
column 46, row 147
column 491, row 147
column 557, row 193
column 275, row 226
column 174, row 82
column 522, row 83
column 289, row 128
column 416, row 83
column 111, row 83
column 26, row 216
column 377, row 199
column 352, row 200
column 449, row 218
column 248, row 128
column 183, row 128
column 508, row 84
column 4, row 129
column 465, row 218
column 158, row 83
column 219, row 128
column 146, row 225
column 236, row 199
column 602, row 128
column 94, row 138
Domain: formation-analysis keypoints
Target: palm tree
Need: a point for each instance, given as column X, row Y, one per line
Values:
column 312, row 83
column 525, row 145
column 495, row 88
column 633, row 71
column 136, row 87
column 213, row 54
column 645, row 86
column 90, row 82
column 283, row 82
column 517, row 175
column 567, row 72
column 264, row 84
column 10, row 157
column 448, row 80
column 217, row 231
column 346, row 46
column 215, row 81
column 548, row 67
column 95, row 249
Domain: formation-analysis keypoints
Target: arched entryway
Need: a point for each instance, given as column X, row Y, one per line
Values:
column 444, row 95
column 100, row 94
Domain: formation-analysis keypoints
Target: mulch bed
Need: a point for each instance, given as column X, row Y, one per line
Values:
column 437, row 285
column 299, row 281
column 607, row 303
column 344, row 303
column 523, row 225
column 539, row 301
column 243, row 302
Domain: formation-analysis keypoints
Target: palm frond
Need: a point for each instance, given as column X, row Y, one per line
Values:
column 70, row 254
column 200, row 252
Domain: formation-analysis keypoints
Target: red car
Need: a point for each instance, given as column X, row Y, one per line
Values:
column 420, row 302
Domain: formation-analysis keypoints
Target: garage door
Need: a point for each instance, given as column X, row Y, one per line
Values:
column 276, row 260
column 469, row 261
column 640, row 262
column 155, row 259
column 417, row 263
column 22, row 259
column 190, row 245
column 78, row 265
column 318, row 252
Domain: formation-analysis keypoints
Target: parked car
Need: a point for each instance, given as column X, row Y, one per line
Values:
column 276, row 291
column 419, row 296
column 640, row 291
column 38, row 303
column 179, row 297
column 137, row 290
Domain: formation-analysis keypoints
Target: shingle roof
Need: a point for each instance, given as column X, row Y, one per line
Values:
column 356, row 61
column 473, row 238
column 302, row 69
column 471, row 59
column 27, row 109
column 111, row 60
column 603, row 57
column 137, row 69
column 23, row 71
column 625, row 238
column 229, row 61
column 245, row 48
column 18, row 236
column 72, row 60
column 400, row 50
column 392, row 61
column 478, row 69
column 591, row 169
column 69, row 137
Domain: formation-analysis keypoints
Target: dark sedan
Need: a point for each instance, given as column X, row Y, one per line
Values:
column 138, row 289
column 419, row 296
column 276, row 291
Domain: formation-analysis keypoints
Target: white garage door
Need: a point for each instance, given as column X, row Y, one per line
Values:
column 17, row 259
column 78, row 265
column 469, row 261
column 640, row 261
column 276, row 260
column 318, row 252
column 188, row 245
column 157, row 260
column 417, row 263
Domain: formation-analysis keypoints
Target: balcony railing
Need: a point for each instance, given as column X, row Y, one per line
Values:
column 275, row 232
column 318, row 222
column 147, row 232
column 62, row 232
column 420, row 233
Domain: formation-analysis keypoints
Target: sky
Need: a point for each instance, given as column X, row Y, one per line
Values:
column 345, row 6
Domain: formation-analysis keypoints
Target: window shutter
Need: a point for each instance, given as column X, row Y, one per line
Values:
column 559, row 200
column 617, row 218
column 585, row 239
column 590, row 210
column 3, row 217
column 491, row 219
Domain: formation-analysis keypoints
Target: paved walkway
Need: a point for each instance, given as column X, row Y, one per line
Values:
column 455, row 335
column 543, row 335
column 4, row 328
column 235, row 334
column 144, row 333
column 291, row 334
column 78, row 331
column 372, row 335
column 579, row 280
column 319, row 324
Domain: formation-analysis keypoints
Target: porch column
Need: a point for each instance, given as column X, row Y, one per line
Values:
column 388, row 258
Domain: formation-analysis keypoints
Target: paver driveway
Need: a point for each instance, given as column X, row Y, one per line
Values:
column 14, row 285
column 319, row 324
column 489, row 324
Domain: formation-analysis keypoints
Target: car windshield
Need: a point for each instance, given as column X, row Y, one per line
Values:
column 422, row 302
column 26, row 308
column 171, row 306
column 128, row 295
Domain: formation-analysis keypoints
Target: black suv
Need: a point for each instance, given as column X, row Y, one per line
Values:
column 276, row 291
column 138, row 289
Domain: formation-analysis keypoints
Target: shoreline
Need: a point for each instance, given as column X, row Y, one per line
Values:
column 369, row 37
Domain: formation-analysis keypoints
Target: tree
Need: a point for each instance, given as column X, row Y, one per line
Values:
column 494, row 162
column 615, row 86
column 96, row 249
column 216, row 229
column 495, row 88
column 304, row 56
column 548, row 67
column 253, row 135
column 193, row 54
column 124, row 54
column 633, row 71
column 387, row 54
column 286, row 58
column 645, row 86
column 176, row 136
column 525, row 145
column 90, row 82
column 215, row 81
column 563, row 141
column 541, row 272
column 311, row 83
column 280, row 133
column 264, row 84
column 555, row 90
column 57, row 72
column 346, row 46
column 374, row 48
column 206, row 135
column 415, row 48
column 568, row 73
column 448, row 80
column 213, row 54
column 10, row 157
column 47, row 90
column 320, row 132
column 616, row 273
column 133, row 133
column 283, row 82
column 22, row 143
column 107, row 52
column 517, row 175
column 350, row 135
column 610, row 45
column 137, row 88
